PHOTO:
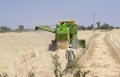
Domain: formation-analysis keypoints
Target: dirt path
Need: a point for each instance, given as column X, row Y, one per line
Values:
column 102, row 64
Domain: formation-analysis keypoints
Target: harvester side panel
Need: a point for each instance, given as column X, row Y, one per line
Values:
column 62, row 37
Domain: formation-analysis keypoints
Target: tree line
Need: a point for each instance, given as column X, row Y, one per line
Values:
column 100, row 26
column 20, row 28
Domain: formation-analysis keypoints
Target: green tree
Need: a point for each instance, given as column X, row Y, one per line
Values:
column 106, row 27
column 81, row 27
column 98, row 25
column 5, row 29
column 111, row 27
column 117, row 27
column 20, row 28
column 90, row 27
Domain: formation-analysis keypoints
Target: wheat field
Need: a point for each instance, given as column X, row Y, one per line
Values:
column 25, row 52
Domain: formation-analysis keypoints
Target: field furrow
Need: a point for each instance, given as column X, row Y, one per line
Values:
column 102, row 64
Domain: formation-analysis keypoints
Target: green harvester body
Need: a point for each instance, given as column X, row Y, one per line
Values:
column 65, row 34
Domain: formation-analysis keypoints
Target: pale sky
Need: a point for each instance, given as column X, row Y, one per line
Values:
column 49, row 12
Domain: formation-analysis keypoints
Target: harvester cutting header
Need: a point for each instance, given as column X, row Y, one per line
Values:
column 65, row 34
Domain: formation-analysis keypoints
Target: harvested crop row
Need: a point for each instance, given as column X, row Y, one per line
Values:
column 102, row 64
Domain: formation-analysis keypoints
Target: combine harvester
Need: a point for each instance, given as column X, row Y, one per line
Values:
column 65, row 34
